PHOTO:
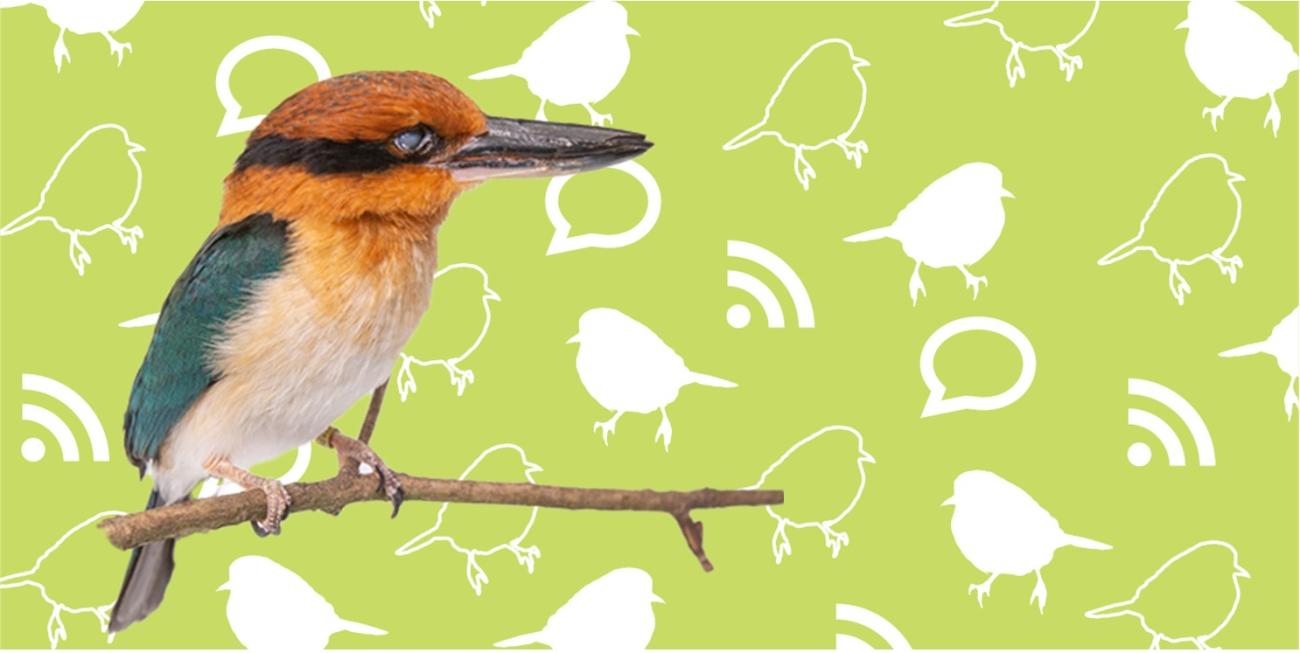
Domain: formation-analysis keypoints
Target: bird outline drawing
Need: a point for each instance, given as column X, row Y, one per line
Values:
column 1235, row 53
column 460, row 378
column 627, row 368
column 1002, row 530
column 954, row 222
column 75, row 231
column 852, row 149
column 580, row 59
column 526, row 555
column 1283, row 344
column 1229, row 266
column 1058, row 44
column 1162, row 606
column 231, row 120
column 835, row 540
column 612, row 614
column 102, row 17
column 55, row 629
column 271, row 608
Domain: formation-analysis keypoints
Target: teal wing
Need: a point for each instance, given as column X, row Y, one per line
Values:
column 215, row 286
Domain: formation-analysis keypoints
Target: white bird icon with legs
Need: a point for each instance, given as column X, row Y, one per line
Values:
column 85, row 17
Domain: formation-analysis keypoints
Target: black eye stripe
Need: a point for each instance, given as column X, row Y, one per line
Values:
column 321, row 156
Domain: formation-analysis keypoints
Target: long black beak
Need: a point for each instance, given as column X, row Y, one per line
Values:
column 534, row 148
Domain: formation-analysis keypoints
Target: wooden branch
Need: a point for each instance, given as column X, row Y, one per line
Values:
column 332, row 495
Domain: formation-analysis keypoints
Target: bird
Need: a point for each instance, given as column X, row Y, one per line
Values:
column 835, row 458
column 319, row 270
column 475, row 532
column 1189, row 599
column 625, row 367
column 106, row 168
column 1037, row 27
column 100, row 17
column 1283, row 344
column 612, row 614
column 1235, row 53
column 452, row 355
column 580, row 59
column 954, row 222
column 1001, row 530
column 58, row 575
column 1184, row 226
column 805, row 114
column 270, row 608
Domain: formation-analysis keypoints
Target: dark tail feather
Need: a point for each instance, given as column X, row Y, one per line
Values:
column 146, row 579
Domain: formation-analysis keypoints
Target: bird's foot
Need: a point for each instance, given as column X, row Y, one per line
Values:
column 606, row 428
column 406, row 378
column 1067, row 62
column 460, row 378
column 526, row 556
column 835, row 540
column 853, row 151
column 1274, row 115
column 128, row 235
column 982, row 590
column 915, row 286
column 1177, row 284
column 1216, row 113
column 277, row 497
column 116, row 47
column 429, row 11
column 474, row 574
column 80, row 257
column 1015, row 67
column 61, row 53
column 973, row 282
column 358, row 452
column 597, row 118
column 1228, row 266
column 780, row 542
column 1291, row 400
column 664, row 431
column 803, row 171
column 1039, row 595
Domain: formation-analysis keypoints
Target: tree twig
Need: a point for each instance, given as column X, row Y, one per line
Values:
column 332, row 495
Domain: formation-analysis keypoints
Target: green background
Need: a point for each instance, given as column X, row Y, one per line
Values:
column 1084, row 159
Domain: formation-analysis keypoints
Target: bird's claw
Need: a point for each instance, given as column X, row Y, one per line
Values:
column 1039, row 595
column 781, row 542
column 803, row 171
column 1015, row 67
column 526, row 556
column 358, row 452
column 460, row 378
column 277, row 509
column 61, row 53
column 853, row 151
column 1228, row 266
column 1215, row 114
column 605, row 428
column 1274, row 115
column 128, row 235
column 973, row 282
column 475, row 574
column 835, row 540
column 80, row 257
column 981, row 590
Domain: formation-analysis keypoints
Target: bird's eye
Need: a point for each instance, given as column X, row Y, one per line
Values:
column 414, row 141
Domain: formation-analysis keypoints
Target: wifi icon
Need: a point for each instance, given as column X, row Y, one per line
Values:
column 738, row 316
column 1140, row 454
column 33, row 449
column 858, row 618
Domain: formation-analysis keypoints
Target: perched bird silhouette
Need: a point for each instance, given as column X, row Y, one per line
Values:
column 99, row 17
column 578, row 60
column 270, row 608
column 445, row 344
column 480, row 531
column 954, row 222
column 612, row 614
column 1236, row 54
column 819, row 102
column 58, row 576
column 1189, row 599
column 1184, row 227
column 106, row 168
column 1036, row 27
column 625, row 367
column 835, row 458
column 1283, row 344
column 319, row 270
column 1003, row 531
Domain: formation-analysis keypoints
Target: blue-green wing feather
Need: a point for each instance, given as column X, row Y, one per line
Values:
column 216, row 285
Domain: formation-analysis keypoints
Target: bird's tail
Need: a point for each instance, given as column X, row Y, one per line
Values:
column 874, row 234
column 1109, row 611
column 494, row 73
column 1245, row 350
column 746, row 137
column 711, row 381
column 360, row 628
column 1085, row 543
column 146, row 579
column 978, row 17
column 521, row 640
column 1122, row 252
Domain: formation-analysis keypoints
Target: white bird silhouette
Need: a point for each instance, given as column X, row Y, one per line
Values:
column 1184, row 234
column 954, row 222
column 110, row 138
column 273, row 609
column 1003, row 531
column 834, row 457
column 465, row 520
column 1039, row 27
column 1236, row 54
column 833, row 119
column 627, row 368
column 460, row 378
column 85, row 17
column 612, row 614
column 578, row 60
column 1283, row 344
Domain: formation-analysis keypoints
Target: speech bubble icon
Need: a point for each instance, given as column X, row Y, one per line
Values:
column 562, row 242
column 937, row 404
column 231, row 122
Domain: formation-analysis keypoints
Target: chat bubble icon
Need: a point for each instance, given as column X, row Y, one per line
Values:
column 231, row 121
column 563, row 242
column 937, row 404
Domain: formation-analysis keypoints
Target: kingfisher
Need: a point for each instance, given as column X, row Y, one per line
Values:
column 299, row 302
